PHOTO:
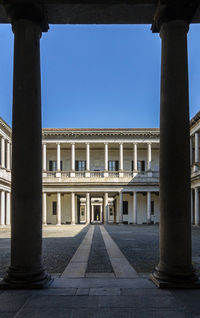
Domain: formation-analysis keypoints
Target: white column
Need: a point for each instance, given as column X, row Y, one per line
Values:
column 135, row 157
column 106, row 207
column 191, row 150
column 192, row 207
column 121, row 157
column 58, row 215
column 88, row 207
column 148, row 207
column 3, row 152
column 196, row 206
column 149, row 157
column 106, row 160
column 58, row 157
column 8, row 156
column 2, row 219
column 72, row 174
column 134, row 207
column 73, row 207
column 196, row 147
column 44, row 157
column 7, row 208
column 120, row 207
column 88, row 157
column 44, row 208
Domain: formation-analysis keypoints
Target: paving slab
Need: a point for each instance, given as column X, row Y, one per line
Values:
column 105, row 291
column 100, row 275
column 45, row 313
column 12, row 301
column 82, row 291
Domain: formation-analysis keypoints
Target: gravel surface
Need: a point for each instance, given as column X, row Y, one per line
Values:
column 98, row 261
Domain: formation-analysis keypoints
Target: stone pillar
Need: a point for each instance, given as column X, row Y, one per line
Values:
column 7, row 208
column 135, row 157
column 88, row 207
column 26, row 270
column 134, row 207
column 3, row 206
column 87, row 160
column 58, row 214
column 149, row 157
column 73, row 208
column 120, row 207
column 191, row 151
column 44, row 208
column 106, row 207
column 192, row 207
column 196, row 206
column 3, row 152
column 73, row 160
column 175, row 267
column 148, row 207
column 58, row 156
column 8, row 156
column 196, row 151
column 44, row 157
column 121, row 161
column 106, row 160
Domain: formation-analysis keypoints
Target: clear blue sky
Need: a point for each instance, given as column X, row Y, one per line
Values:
column 99, row 76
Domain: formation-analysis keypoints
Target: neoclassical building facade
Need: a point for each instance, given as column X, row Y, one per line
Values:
column 99, row 175
column 93, row 175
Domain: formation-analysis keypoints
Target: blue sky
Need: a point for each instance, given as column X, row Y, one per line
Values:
column 99, row 76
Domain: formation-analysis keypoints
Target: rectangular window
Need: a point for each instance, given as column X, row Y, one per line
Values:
column 152, row 207
column 125, row 207
column 113, row 165
column 80, row 165
column 141, row 165
column 54, row 207
column 53, row 165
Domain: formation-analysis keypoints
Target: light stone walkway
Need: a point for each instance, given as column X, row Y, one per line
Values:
column 120, row 264
column 78, row 264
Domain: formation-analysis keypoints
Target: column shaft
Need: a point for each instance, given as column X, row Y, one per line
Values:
column 88, row 207
column 26, row 269
column 192, row 207
column 148, row 207
column 44, row 157
column 196, row 138
column 175, row 217
column 121, row 207
column 106, row 207
column 106, row 157
column 88, row 157
column 2, row 208
column 44, row 208
column 73, row 207
column 135, row 157
column 8, row 156
column 58, row 157
column 58, row 215
column 121, row 157
column 149, row 157
column 7, row 208
column 3, row 152
column 196, row 206
column 134, row 207
column 73, row 157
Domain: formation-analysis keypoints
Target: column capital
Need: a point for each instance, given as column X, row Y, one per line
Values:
column 73, row 143
column 170, row 12
column 36, row 13
column 87, row 143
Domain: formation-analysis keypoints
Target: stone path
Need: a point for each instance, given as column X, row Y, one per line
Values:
column 120, row 294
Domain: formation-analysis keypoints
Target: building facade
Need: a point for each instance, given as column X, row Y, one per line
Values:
column 99, row 175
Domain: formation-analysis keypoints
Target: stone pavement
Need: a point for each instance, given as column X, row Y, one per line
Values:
column 103, row 293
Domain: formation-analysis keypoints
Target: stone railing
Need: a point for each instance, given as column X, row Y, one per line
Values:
column 97, row 174
column 113, row 174
column 79, row 174
column 65, row 174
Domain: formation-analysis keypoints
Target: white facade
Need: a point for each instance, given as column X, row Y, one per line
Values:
column 99, row 175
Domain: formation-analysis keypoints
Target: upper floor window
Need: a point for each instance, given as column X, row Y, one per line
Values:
column 54, row 207
column 80, row 165
column 125, row 207
column 113, row 165
column 140, row 165
column 53, row 165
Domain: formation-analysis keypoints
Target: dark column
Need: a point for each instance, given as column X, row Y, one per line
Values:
column 26, row 270
column 175, row 267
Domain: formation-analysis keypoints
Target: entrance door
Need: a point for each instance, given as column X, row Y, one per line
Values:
column 97, row 214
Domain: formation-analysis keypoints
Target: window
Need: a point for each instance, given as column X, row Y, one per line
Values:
column 125, row 207
column 54, row 207
column 53, row 165
column 80, row 165
column 141, row 165
column 113, row 165
column 152, row 207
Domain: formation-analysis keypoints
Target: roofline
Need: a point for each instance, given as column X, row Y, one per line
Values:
column 6, row 126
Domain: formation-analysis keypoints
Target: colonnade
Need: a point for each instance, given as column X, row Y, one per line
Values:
column 106, row 156
column 88, row 205
column 175, row 267
column 5, row 153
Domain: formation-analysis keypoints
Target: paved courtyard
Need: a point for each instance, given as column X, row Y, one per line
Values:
column 99, row 271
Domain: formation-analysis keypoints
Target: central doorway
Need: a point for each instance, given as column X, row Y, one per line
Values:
column 97, row 214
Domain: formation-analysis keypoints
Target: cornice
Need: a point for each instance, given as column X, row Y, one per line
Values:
column 6, row 126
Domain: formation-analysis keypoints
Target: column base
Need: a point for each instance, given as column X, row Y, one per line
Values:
column 26, row 278
column 167, row 281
